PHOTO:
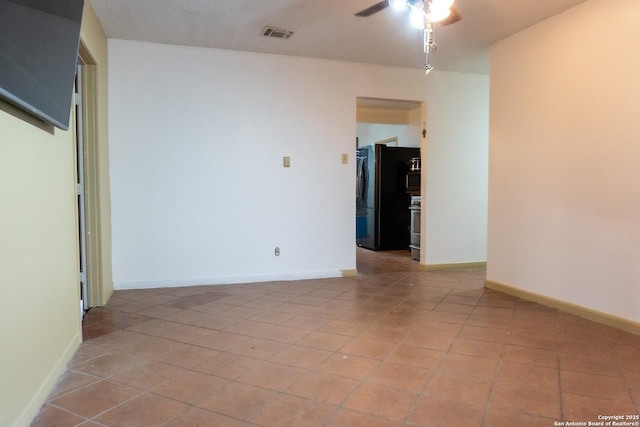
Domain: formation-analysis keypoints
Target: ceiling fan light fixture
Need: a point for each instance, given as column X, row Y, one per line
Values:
column 427, row 69
column 422, row 15
column 418, row 18
column 441, row 4
column 398, row 4
column 437, row 14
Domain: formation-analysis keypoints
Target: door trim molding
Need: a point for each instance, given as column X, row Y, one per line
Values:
column 95, row 276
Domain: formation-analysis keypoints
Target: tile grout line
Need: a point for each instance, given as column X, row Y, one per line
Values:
column 390, row 286
column 621, row 373
column 487, row 406
column 436, row 369
column 560, row 393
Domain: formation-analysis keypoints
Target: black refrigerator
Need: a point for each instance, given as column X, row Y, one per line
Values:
column 382, row 203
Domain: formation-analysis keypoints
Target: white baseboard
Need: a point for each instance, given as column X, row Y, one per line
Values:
column 228, row 280
column 566, row 306
column 454, row 266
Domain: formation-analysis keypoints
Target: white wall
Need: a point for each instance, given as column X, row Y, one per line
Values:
column 408, row 134
column 564, row 207
column 456, row 166
column 199, row 194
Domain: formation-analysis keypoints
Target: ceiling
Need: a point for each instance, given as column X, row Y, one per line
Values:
column 325, row 28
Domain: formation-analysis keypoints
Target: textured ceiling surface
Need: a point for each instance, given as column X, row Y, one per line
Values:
column 325, row 29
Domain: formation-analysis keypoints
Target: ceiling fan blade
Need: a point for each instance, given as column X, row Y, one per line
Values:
column 372, row 9
column 453, row 18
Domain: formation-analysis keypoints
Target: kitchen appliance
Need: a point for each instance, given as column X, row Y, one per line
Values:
column 414, row 228
column 382, row 200
column 413, row 177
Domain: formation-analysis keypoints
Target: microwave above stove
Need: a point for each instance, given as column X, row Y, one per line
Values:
column 412, row 185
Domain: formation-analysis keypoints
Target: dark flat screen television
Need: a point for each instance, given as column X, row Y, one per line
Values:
column 39, row 42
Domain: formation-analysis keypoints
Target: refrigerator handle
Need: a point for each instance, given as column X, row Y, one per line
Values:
column 362, row 180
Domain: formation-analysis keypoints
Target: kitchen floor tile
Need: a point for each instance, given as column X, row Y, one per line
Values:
column 518, row 373
column 324, row 387
column 144, row 410
column 595, row 386
column 399, row 375
column 300, row 356
column 473, row 366
column 368, row 348
column 587, row 408
column 202, row 418
column 190, row 387
column 108, row 364
column 348, row 366
column 460, row 387
column 239, row 401
column 273, row 376
column 94, row 399
column 293, row 411
column 530, row 399
column 325, row 341
column 502, row 418
column 440, row 412
column 348, row 418
column 395, row 346
column 382, row 401
column 227, row 365
column 416, row 356
column 51, row 416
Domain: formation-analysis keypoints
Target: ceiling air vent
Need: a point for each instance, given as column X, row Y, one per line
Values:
column 278, row 33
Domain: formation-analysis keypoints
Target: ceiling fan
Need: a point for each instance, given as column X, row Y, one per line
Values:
column 365, row 13
column 422, row 15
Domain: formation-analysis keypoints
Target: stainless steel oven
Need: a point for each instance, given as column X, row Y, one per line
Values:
column 414, row 230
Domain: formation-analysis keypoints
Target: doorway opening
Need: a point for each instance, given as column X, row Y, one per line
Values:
column 385, row 190
column 88, row 200
column 80, row 193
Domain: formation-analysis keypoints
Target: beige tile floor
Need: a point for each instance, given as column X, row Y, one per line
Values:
column 393, row 347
